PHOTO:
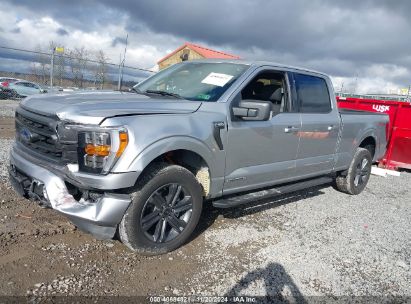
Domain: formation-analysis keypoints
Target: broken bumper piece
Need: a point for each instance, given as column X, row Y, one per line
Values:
column 99, row 217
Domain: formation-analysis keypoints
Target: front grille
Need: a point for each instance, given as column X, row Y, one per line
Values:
column 39, row 134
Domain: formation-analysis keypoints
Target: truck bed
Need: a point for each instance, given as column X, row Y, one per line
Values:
column 355, row 129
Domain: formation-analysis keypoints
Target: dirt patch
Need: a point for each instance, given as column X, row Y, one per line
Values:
column 7, row 127
column 42, row 253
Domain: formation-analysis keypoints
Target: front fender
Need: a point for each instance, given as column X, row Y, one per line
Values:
column 146, row 156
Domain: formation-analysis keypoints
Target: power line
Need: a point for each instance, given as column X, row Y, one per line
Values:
column 69, row 57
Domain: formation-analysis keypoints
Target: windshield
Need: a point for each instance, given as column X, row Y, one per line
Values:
column 199, row 81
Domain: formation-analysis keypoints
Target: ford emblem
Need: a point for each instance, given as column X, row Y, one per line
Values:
column 25, row 134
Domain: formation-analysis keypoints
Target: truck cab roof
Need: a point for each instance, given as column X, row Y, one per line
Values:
column 260, row 63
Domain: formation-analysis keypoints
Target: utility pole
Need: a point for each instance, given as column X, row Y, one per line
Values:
column 121, row 66
column 119, row 75
column 356, row 83
column 54, row 50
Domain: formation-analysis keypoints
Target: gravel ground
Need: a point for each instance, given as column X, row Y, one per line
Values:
column 5, row 145
column 7, row 107
column 317, row 242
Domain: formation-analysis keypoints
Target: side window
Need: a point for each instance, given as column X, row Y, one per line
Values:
column 267, row 86
column 312, row 94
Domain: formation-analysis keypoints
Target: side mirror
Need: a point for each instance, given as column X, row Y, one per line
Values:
column 253, row 110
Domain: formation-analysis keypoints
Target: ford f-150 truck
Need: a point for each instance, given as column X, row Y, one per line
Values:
column 142, row 164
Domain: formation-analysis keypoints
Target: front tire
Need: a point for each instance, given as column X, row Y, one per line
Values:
column 356, row 178
column 165, row 210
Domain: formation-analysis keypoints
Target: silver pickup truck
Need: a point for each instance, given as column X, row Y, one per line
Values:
column 142, row 164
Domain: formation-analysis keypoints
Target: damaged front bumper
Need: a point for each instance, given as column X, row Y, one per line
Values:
column 99, row 216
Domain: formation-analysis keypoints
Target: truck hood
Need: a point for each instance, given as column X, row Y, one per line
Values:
column 93, row 107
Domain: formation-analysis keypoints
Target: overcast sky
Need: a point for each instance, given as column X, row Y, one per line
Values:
column 364, row 44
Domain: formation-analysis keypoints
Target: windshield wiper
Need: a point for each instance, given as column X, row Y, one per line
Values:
column 163, row 93
column 136, row 90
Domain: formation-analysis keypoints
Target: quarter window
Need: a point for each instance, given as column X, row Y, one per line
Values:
column 312, row 94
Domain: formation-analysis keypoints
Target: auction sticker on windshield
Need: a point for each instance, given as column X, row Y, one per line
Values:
column 217, row 79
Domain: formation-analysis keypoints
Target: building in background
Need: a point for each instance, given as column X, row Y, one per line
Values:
column 190, row 51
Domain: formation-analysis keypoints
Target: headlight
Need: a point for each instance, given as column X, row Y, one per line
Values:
column 99, row 149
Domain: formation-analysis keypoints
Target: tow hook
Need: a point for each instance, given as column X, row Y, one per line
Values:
column 36, row 193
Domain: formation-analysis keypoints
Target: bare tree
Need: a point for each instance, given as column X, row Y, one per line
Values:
column 100, row 73
column 78, row 65
column 59, row 68
column 34, row 70
column 42, row 65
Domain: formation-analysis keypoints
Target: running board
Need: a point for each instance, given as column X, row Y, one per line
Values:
column 233, row 201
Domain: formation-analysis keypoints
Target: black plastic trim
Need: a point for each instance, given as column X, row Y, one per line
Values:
column 249, row 197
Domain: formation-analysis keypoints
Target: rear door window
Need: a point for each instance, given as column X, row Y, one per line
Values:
column 312, row 94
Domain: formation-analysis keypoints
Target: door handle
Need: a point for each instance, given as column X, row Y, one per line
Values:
column 291, row 129
column 331, row 127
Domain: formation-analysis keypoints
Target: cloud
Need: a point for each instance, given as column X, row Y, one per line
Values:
column 349, row 40
column 118, row 40
column 62, row 32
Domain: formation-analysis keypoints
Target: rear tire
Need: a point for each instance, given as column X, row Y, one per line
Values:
column 165, row 210
column 356, row 178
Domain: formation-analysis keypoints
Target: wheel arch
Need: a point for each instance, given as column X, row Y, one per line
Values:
column 187, row 152
column 370, row 143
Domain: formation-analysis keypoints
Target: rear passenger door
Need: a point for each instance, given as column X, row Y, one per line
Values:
column 320, row 124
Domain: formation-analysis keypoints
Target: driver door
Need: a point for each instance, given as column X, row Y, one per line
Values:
column 262, row 153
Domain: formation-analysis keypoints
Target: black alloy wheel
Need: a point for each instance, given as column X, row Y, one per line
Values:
column 362, row 172
column 166, row 213
column 355, row 179
column 165, row 209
